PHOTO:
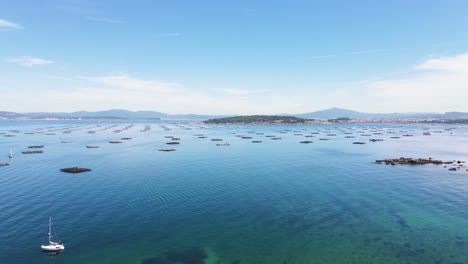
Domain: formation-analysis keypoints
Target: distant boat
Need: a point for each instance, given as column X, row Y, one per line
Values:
column 52, row 246
column 11, row 154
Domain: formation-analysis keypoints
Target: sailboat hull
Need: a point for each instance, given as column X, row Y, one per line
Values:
column 52, row 247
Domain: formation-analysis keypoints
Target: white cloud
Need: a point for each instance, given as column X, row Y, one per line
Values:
column 29, row 61
column 125, row 91
column 437, row 84
column 6, row 25
column 124, row 81
column 447, row 64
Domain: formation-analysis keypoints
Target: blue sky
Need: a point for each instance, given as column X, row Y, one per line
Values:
column 234, row 57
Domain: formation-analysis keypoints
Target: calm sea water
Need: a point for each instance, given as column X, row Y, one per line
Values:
column 278, row 201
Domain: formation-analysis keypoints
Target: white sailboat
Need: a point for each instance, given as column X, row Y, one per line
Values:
column 52, row 246
column 11, row 154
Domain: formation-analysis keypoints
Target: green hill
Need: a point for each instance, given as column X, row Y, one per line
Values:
column 262, row 119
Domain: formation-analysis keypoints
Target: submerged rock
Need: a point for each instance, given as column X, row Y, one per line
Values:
column 75, row 170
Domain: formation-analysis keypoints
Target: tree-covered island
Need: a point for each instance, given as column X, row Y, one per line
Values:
column 257, row 119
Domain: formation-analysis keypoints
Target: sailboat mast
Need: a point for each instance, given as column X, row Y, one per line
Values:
column 50, row 228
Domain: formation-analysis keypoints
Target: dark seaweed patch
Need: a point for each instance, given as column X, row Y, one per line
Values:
column 186, row 256
column 154, row 260
column 400, row 220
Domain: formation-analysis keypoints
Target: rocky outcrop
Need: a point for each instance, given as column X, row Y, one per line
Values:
column 455, row 164
column 410, row 161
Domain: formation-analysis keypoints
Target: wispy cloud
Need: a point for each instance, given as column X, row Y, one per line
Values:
column 437, row 84
column 7, row 25
column 241, row 92
column 29, row 61
column 446, row 64
column 106, row 20
column 125, row 81
column 121, row 90
column 351, row 53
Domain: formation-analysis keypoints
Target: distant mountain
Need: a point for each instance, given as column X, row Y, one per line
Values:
column 108, row 114
column 339, row 112
column 126, row 114
column 9, row 115
column 138, row 114
column 334, row 113
column 454, row 115
column 121, row 113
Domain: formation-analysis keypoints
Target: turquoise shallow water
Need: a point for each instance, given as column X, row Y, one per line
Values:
column 278, row 201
